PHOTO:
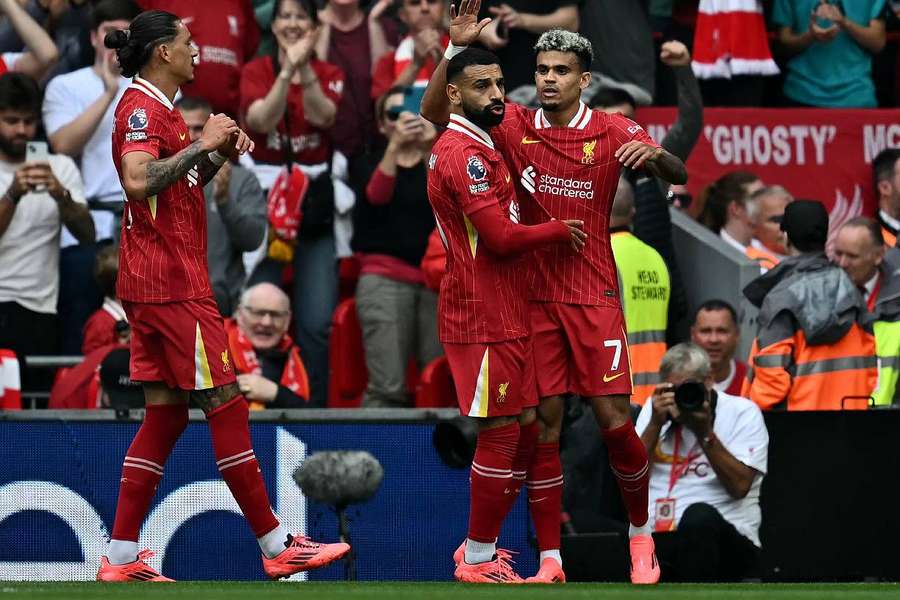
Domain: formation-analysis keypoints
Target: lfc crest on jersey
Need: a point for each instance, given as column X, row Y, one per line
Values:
column 588, row 150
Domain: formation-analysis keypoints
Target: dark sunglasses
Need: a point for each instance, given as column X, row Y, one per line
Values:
column 682, row 200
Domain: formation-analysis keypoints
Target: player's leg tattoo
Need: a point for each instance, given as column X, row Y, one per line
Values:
column 210, row 399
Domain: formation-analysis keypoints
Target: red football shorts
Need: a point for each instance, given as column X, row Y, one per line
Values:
column 580, row 349
column 182, row 344
column 493, row 379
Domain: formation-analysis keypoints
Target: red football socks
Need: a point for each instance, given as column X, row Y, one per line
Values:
column 628, row 460
column 230, row 431
column 528, row 435
column 490, row 481
column 143, row 466
column 545, row 483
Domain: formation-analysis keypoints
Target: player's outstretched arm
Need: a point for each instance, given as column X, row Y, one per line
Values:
column 665, row 165
column 144, row 176
column 464, row 30
column 503, row 237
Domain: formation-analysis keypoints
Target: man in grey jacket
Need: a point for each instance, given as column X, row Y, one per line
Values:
column 235, row 216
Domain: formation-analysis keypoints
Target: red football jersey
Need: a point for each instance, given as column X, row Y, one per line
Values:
column 162, row 256
column 227, row 36
column 571, row 173
column 483, row 296
column 310, row 145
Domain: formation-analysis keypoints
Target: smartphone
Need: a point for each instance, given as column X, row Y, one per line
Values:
column 36, row 151
column 412, row 101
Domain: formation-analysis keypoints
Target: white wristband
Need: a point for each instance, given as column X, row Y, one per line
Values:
column 216, row 158
column 452, row 51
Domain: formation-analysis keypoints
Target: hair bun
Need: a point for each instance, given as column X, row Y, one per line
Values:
column 116, row 39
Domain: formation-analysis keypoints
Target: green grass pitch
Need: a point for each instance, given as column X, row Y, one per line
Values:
column 441, row 591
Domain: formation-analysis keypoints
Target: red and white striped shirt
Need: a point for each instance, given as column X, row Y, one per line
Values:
column 569, row 173
column 163, row 249
column 483, row 297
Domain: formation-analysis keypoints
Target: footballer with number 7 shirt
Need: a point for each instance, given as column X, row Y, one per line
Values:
column 179, row 349
column 567, row 159
column 482, row 307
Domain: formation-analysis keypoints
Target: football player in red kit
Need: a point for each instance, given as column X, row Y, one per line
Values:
column 566, row 160
column 482, row 310
column 179, row 349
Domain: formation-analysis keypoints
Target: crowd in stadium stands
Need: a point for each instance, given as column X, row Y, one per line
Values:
column 331, row 210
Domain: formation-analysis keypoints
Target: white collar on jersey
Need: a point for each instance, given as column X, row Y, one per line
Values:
column 151, row 90
column 463, row 125
column 579, row 121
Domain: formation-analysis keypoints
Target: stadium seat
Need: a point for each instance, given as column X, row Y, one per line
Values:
column 435, row 389
column 348, row 376
column 348, row 275
column 10, row 383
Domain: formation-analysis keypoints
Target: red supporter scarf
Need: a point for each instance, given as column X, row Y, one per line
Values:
column 285, row 201
column 293, row 377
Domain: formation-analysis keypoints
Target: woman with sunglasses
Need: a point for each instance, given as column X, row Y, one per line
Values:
column 392, row 220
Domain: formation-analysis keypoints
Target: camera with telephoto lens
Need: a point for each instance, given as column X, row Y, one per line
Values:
column 690, row 395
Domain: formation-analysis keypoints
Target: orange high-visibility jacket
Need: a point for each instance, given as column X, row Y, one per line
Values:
column 814, row 349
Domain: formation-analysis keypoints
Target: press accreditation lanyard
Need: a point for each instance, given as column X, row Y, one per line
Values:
column 679, row 468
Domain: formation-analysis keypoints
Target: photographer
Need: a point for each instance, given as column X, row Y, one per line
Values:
column 708, row 454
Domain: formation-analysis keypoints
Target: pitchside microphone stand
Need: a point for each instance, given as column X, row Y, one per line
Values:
column 339, row 479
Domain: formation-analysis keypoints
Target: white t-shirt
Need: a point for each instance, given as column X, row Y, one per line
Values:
column 739, row 426
column 67, row 96
column 29, row 248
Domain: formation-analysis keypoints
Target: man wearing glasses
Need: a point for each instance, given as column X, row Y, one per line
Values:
column 270, row 372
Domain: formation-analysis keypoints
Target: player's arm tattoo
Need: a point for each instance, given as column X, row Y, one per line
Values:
column 164, row 172
column 213, row 398
column 207, row 169
column 669, row 167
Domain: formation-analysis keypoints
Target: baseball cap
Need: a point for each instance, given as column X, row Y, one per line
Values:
column 806, row 224
column 116, row 381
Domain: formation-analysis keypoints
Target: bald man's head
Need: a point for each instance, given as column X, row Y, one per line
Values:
column 623, row 205
column 264, row 315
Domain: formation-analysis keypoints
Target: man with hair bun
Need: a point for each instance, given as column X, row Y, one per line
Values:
column 565, row 159
column 179, row 349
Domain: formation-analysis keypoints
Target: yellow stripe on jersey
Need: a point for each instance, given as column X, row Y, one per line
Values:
column 473, row 235
column 202, row 376
column 481, row 398
column 152, row 202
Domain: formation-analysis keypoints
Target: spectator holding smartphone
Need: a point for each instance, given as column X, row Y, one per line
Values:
column 38, row 199
column 397, row 312
column 832, row 44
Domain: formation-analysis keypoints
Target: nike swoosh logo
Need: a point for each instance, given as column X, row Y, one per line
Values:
column 607, row 378
column 507, row 178
column 181, row 136
column 526, row 141
column 530, row 501
column 506, row 491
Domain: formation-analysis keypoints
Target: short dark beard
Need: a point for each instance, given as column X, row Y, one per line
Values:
column 13, row 150
column 484, row 118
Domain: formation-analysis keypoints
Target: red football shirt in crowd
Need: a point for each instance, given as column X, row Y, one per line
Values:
column 227, row 35
column 309, row 144
column 571, row 173
column 390, row 66
column 483, row 296
column 162, row 256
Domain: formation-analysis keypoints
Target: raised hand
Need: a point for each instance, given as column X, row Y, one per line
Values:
column 576, row 231
column 464, row 24
column 216, row 131
column 675, row 54
column 298, row 53
column 237, row 143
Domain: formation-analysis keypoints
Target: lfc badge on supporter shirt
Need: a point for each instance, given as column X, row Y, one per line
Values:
column 665, row 514
column 226, row 366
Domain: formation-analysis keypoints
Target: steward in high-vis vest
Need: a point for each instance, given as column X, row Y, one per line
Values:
column 886, row 326
column 814, row 349
column 645, row 288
